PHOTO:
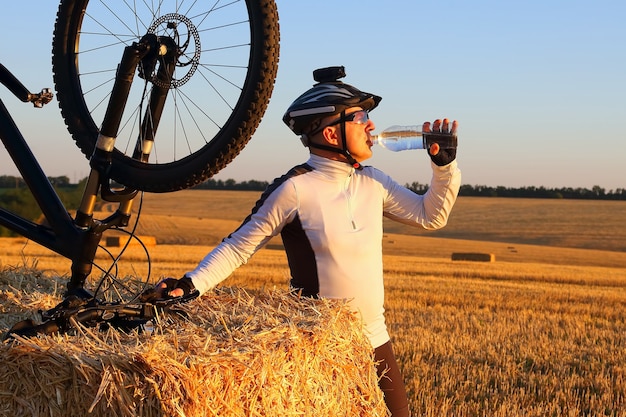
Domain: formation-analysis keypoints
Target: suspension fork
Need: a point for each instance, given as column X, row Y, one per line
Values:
column 146, row 51
column 168, row 56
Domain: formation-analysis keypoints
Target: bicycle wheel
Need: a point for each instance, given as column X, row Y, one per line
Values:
column 223, row 79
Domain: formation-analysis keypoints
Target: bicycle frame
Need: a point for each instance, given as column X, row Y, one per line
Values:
column 77, row 239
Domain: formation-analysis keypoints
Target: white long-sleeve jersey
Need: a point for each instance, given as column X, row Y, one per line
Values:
column 330, row 217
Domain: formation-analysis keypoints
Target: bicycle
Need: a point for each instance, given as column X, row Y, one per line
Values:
column 223, row 52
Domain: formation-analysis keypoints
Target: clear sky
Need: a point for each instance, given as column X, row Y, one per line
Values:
column 538, row 86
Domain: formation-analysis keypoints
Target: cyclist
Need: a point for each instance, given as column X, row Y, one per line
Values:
column 329, row 212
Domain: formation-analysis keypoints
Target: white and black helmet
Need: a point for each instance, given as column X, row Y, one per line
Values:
column 329, row 96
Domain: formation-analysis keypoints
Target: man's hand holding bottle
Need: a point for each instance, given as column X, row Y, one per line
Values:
column 439, row 130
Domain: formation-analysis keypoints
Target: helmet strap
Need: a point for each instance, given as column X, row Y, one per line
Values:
column 345, row 152
column 344, row 145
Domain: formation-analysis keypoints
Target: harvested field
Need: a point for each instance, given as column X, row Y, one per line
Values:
column 538, row 332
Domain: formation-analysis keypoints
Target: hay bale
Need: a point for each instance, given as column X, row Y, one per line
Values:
column 265, row 353
column 119, row 241
column 473, row 256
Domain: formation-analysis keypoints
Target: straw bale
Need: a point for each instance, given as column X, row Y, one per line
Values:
column 473, row 256
column 238, row 353
column 119, row 241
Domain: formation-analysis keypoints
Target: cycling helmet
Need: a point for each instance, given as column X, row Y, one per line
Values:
column 329, row 96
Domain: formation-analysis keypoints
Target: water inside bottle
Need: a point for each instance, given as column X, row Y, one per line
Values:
column 399, row 138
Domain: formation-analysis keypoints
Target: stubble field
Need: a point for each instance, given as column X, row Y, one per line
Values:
column 538, row 332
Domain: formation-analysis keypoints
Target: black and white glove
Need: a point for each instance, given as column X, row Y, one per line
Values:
column 174, row 288
column 441, row 141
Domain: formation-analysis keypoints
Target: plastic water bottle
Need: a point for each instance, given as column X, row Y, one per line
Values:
column 402, row 138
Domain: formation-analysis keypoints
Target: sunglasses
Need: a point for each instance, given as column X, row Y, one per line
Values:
column 359, row 117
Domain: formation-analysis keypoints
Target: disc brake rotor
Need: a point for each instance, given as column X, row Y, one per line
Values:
column 187, row 39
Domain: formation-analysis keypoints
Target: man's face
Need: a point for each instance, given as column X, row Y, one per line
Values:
column 358, row 134
column 358, row 138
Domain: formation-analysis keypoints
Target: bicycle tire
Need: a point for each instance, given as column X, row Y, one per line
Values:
column 79, row 27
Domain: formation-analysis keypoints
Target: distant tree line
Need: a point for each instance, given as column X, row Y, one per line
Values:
column 17, row 198
column 595, row 193
column 9, row 181
column 231, row 184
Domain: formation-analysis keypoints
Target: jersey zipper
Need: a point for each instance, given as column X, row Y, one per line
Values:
column 349, row 202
